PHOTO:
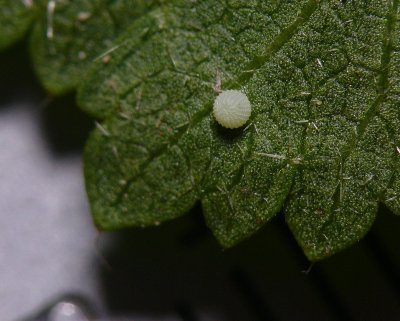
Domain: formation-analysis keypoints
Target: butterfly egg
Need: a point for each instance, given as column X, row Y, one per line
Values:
column 232, row 109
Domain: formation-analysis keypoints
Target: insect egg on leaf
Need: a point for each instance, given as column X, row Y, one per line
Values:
column 232, row 109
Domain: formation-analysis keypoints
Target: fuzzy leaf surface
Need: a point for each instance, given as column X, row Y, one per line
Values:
column 322, row 144
column 15, row 19
column 67, row 38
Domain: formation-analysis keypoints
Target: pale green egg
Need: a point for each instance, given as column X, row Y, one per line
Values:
column 232, row 109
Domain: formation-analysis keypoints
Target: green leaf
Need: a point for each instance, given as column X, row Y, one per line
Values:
column 160, row 149
column 15, row 18
column 322, row 143
column 68, row 37
column 335, row 200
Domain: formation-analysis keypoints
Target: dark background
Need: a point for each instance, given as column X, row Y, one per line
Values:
column 49, row 247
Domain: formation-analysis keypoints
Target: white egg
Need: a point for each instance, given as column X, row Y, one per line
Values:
column 232, row 109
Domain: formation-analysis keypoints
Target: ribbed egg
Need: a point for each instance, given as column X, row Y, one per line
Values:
column 232, row 109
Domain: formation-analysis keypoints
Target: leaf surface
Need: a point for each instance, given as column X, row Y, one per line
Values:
column 322, row 142
column 15, row 18
column 156, row 95
column 69, row 36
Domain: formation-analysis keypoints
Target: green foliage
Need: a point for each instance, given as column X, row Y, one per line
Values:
column 322, row 144
column 82, row 31
column 15, row 18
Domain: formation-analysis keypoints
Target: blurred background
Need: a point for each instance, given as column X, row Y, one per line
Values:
column 50, row 249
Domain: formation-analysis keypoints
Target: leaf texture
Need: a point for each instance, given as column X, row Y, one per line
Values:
column 322, row 143
column 68, row 37
column 15, row 19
